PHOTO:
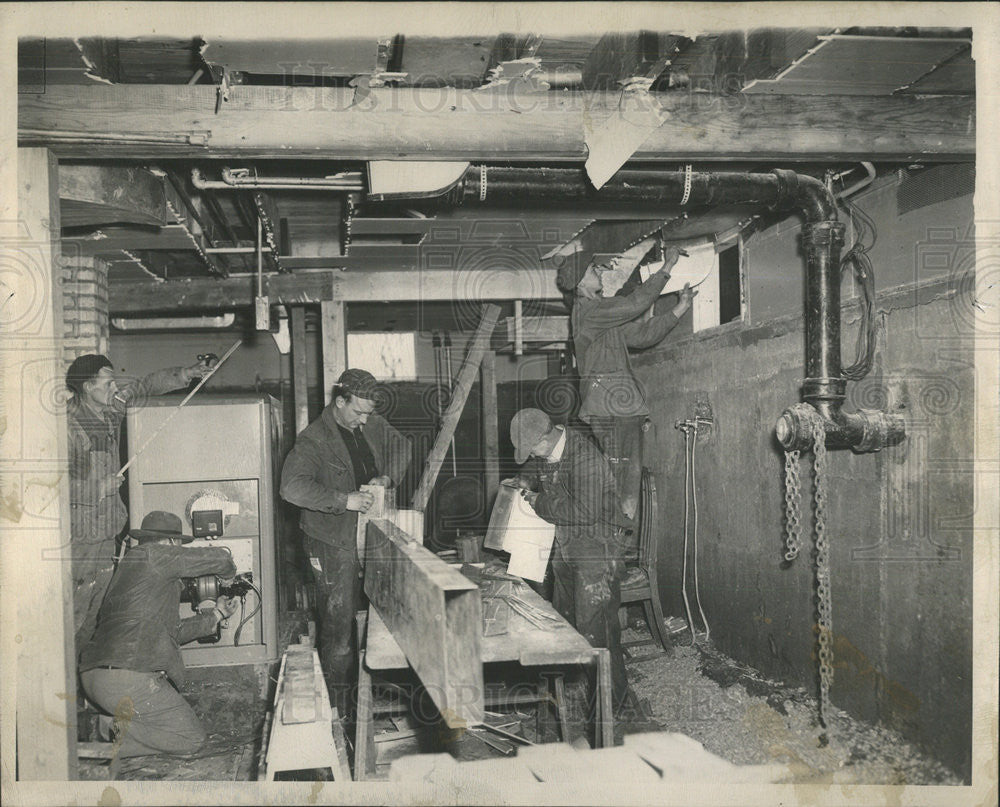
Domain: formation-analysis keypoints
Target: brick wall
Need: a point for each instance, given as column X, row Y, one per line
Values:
column 85, row 305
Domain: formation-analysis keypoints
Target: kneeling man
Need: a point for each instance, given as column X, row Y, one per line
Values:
column 132, row 665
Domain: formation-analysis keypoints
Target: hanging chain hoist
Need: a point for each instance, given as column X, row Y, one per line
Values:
column 793, row 544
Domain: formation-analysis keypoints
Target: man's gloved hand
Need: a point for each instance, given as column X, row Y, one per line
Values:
column 382, row 481
column 227, row 606
column 530, row 497
column 670, row 257
column 687, row 295
column 360, row 501
column 199, row 370
column 517, row 482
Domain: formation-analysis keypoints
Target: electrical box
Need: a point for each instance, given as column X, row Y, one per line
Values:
column 213, row 463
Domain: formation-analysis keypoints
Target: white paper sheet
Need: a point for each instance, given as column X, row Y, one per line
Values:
column 699, row 264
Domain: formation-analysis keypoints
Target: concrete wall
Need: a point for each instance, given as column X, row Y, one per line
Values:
column 899, row 522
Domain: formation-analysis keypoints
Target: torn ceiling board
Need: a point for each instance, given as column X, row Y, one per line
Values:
column 302, row 57
column 612, row 142
column 860, row 65
column 105, row 194
column 158, row 61
column 42, row 61
column 619, row 56
column 957, row 76
column 445, row 61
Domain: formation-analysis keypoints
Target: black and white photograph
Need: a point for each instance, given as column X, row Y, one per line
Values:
column 518, row 403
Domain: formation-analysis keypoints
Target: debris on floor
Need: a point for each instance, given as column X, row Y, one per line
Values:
column 743, row 718
column 227, row 699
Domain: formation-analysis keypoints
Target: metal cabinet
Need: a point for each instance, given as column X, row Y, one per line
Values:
column 213, row 463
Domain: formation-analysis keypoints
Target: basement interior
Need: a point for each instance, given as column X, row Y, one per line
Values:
column 488, row 411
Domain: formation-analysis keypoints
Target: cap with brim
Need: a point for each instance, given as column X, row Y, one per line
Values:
column 527, row 428
column 160, row 524
column 360, row 383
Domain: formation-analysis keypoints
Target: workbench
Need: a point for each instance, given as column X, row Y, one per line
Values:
column 524, row 643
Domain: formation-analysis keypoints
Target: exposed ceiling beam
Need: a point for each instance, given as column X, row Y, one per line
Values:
column 460, row 287
column 149, row 122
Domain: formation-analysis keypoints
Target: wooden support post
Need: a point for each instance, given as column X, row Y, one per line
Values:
column 435, row 615
column 477, row 347
column 37, row 659
column 333, row 327
column 604, row 731
column 300, row 368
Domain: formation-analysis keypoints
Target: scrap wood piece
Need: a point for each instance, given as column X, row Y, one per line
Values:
column 470, row 367
column 680, row 758
column 434, row 614
column 563, row 764
column 505, row 747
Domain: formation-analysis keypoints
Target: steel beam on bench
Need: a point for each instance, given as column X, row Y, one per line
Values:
column 435, row 615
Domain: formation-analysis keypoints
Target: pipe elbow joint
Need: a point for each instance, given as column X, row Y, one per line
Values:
column 806, row 193
column 863, row 432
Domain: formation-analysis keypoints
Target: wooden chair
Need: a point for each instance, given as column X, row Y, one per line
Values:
column 640, row 584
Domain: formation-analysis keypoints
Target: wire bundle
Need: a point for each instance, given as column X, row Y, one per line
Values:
column 857, row 258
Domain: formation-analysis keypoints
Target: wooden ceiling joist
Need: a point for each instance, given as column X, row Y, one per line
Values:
column 143, row 122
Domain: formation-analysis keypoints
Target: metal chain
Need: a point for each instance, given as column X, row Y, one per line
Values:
column 823, row 599
column 793, row 511
column 793, row 544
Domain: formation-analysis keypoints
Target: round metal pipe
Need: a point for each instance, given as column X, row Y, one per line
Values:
column 778, row 189
column 821, row 243
column 350, row 181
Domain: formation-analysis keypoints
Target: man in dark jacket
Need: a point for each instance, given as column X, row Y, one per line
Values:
column 576, row 493
column 346, row 447
column 604, row 328
column 97, row 513
column 132, row 665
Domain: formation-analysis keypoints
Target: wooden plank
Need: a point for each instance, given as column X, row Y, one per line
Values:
column 435, row 615
column 477, row 347
column 300, row 368
column 109, row 240
column 38, row 667
column 523, row 642
column 491, row 428
column 448, row 124
column 333, row 332
column 207, row 294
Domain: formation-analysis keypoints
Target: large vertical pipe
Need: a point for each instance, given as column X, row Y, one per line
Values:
column 824, row 387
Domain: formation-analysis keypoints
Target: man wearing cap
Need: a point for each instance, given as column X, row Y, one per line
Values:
column 132, row 665
column 347, row 446
column 97, row 513
column 604, row 327
column 574, row 489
